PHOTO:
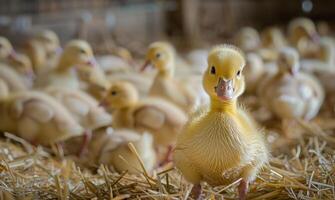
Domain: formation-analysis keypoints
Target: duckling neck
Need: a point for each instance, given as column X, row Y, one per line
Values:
column 63, row 66
column 167, row 70
column 229, row 106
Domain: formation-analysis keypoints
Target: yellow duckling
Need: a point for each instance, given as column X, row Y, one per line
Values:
column 37, row 117
column 37, row 54
column 156, row 116
column 75, row 54
column 221, row 143
column 110, row 147
column 291, row 94
column 50, row 42
column 83, row 108
column 161, row 56
column 273, row 38
column 254, row 71
column 248, row 39
column 303, row 36
column 12, row 79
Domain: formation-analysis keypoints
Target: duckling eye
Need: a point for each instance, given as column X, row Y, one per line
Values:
column 158, row 55
column 82, row 51
column 113, row 93
column 213, row 70
column 238, row 73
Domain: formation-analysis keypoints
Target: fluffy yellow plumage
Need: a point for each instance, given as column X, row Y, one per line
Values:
column 222, row 143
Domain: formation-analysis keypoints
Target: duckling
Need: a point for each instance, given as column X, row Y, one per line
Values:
column 254, row 71
column 6, row 49
column 221, row 142
column 156, row 116
column 303, row 36
column 38, row 56
column 83, row 108
column 50, row 41
column 37, row 117
column 161, row 55
column 248, row 39
column 273, row 38
column 291, row 94
column 109, row 145
column 76, row 53
column 142, row 82
column 4, row 91
column 12, row 79
column 324, row 63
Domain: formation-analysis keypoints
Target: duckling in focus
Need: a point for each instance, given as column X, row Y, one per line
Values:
column 109, row 145
column 291, row 94
column 161, row 56
column 221, row 142
column 156, row 116
column 303, row 36
column 83, row 108
column 75, row 54
column 37, row 117
column 254, row 71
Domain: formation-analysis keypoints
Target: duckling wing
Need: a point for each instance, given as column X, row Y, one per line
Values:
column 76, row 105
column 38, row 111
column 150, row 117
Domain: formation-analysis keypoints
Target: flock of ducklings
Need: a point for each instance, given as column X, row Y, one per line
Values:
column 185, row 107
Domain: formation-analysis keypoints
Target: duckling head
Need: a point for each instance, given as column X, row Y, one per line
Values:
column 223, row 79
column 247, row 39
column 273, row 37
column 77, row 53
column 288, row 61
column 50, row 40
column 161, row 56
column 22, row 64
column 6, row 48
column 302, row 27
column 120, row 95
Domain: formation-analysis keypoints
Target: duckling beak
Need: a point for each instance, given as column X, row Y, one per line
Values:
column 92, row 62
column 12, row 55
column 224, row 89
column 145, row 65
column 103, row 103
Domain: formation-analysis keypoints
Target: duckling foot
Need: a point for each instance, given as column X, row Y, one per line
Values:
column 243, row 189
column 86, row 140
column 196, row 192
column 167, row 157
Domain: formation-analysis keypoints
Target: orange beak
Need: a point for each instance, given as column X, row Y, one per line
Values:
column 145, row 65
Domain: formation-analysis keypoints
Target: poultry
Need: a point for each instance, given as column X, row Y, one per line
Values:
column 254, row 71
column 37, row 54
column 221, row 143
column 83, row 108
column 247, row 39
column 291, row 94
column 75, row 54
column 12, row 79
column 50, row 42
column 272, row 40
column 110, row 147
column 161, row 56
column 325, row 60
column 302, row 35
column 19, row 62
column 162, row 119
column 37, row 117
column 142, row 82
column 4, row 90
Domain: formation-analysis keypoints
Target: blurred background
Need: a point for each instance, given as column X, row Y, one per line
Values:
column 135, row 23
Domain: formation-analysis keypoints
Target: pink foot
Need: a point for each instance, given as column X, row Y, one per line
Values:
column 86, row 140
column 243, row 189
column 196, row 192
column 168, row 156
